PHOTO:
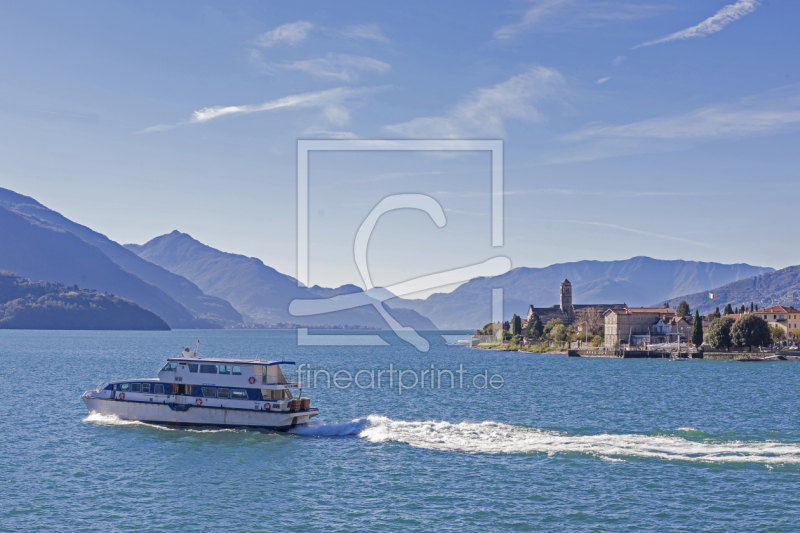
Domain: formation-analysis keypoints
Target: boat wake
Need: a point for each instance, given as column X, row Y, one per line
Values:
column 497, row 438
column 344, row 429
column 111, row 420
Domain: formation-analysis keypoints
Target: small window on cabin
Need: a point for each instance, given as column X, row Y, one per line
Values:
column 223, row 393
column 136, row 387
column 158, row 389
column 170, row 367
column 146, row 388
column 237, row 370
column 209, row 392
column 208, row 369
column 224, row 369
column 125, row 386
column 192, row 367
column 239, row 394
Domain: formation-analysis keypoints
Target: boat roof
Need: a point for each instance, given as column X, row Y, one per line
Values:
column 228, row 361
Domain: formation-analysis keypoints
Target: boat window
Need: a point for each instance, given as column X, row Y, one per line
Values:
column 239, row 394
column 146, row 388
column 136, row 387
column 170, row 367
column 192, row 367
column 208, row 369
column 125, row 386
column 209, row 392
column 158, row 389
column 224, row 369
column 237, row 370
column 223, row 393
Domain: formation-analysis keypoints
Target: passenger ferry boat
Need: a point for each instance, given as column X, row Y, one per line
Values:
column 207, row 392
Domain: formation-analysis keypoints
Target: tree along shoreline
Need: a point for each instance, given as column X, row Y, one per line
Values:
column 42, row 305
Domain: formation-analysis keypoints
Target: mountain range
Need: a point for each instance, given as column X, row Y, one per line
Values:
column 781, row 287
column 191, row 285
column 639, row 281
column 258, row 291
column 41, row 244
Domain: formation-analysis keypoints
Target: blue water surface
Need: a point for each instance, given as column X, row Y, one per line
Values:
column 565, row 444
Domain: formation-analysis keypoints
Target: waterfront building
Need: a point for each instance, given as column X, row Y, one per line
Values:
column 645, row 325
column 785, row 317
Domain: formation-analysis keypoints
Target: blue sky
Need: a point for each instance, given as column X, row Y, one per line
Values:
column 667, row 129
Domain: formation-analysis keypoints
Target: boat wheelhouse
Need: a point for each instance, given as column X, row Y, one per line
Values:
column 208, row 392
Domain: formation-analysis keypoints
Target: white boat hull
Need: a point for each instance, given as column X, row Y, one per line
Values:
column 192, row 415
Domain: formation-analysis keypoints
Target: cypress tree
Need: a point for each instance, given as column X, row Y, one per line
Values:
column 697, row 330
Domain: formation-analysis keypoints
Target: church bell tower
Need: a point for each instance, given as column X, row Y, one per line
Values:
column 566, row 297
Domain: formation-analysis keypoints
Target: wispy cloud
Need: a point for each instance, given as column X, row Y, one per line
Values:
column 330, row 101
column 722, row 18
column 335, row 66
column 575, row 12
column 533, row 16
column 602, row 81
column 765, row 113
column 370, row 32
column 635, row 231
column 328, row 134
column 484, row 111
column 291, row 33
column 297, row 32
column 618, row 60
column 581, row 192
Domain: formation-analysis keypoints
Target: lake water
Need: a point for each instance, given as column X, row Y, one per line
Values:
column 564, row 444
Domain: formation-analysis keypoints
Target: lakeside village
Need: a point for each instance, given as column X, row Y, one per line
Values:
column 617, row 330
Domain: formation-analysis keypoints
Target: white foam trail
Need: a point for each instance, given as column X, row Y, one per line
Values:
column 497, row 438
column 110, row 420
column 344, row 429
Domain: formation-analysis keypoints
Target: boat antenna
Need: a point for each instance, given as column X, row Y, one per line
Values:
column 196, row 348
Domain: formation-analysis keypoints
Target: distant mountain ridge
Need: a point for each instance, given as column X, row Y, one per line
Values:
column 639, row 281
column 177, row 300
column 258, row 291
column 25, row 304
column 781, row 287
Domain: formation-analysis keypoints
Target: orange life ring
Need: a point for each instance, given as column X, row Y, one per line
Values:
column 121, row 395
column 252, row 380
column 266, row 407
column 198, row 402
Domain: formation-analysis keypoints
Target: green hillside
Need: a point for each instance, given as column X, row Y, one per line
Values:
column 781, row 287
column 25, row 304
